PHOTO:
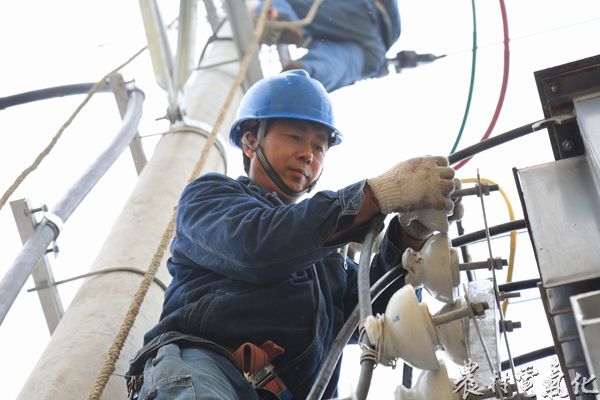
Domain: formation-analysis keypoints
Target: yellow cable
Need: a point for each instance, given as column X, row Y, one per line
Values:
column 513, row 234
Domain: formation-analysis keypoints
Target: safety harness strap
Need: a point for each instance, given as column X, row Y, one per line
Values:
column 255, row 362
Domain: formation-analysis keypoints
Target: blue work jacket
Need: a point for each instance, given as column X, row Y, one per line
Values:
column 248, row 268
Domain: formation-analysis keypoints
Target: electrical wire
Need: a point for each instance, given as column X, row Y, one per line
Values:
column 330, row 362
column 506, row 68
column 494, row 231
column 364, row 306
column 48, row 93
column 529, row 357
column 44, row 153
column 515, row 133
column 364, row 285
column 212, row 38
column 513, row 234
column 519, row 285
column 472, row 79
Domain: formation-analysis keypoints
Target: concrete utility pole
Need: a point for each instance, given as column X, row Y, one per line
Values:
column 70, row 364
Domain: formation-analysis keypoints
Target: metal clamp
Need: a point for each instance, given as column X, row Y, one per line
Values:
column 53, row 221
column 189, row 125
column 557, row 119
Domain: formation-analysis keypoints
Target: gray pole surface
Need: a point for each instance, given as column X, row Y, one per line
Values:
column 75, row 354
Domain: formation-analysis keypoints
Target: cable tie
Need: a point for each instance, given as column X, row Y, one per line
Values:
column 54, row 221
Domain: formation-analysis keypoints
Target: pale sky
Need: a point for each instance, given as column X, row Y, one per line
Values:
column 384, row 121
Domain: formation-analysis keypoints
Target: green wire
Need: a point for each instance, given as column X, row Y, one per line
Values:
column 472, row 83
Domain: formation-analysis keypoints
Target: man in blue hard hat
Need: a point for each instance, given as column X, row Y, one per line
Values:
column 260, row 289
column 346, row 41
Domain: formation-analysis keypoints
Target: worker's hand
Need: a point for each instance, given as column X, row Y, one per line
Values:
column 459, row 210
column 416, row 184
column 421, row 231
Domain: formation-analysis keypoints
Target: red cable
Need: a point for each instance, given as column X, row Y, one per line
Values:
column 504, row 82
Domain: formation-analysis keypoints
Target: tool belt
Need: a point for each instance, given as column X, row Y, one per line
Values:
column 255, row 363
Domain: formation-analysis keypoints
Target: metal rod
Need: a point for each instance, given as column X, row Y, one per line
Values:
column 495, row 280
column 489, row 264
column 46, row 231
column 474, row 191
column 452, row 315
column 480, row 336
column 463, row 249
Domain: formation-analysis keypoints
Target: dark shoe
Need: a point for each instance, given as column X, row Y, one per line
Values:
column 292, row 64
column 284, row 35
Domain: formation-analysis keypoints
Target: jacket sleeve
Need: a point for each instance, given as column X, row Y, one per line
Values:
column 225, row 228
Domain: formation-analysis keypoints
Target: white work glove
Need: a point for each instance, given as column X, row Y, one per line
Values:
column 416, row 184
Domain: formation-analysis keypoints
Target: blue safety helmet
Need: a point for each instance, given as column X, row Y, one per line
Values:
column 290, row 94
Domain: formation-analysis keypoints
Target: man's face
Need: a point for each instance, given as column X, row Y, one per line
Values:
column 296, row 151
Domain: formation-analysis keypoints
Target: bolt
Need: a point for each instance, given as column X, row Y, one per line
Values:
column 498, row 262
column 54, row 249
column 479, row 307
column 510, row 325
column 568, row 145
column 43, row 208
column 509, row 295
column 553, row 87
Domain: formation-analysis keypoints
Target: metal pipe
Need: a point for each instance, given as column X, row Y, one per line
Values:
column 48, row 230
column 48, row 93
column 160, row 52
column 186, row 43
column 65, row 207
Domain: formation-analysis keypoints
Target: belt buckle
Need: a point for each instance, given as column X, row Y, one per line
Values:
column 261, row 377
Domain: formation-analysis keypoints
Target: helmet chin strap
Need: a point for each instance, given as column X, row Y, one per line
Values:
column 269, row 169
